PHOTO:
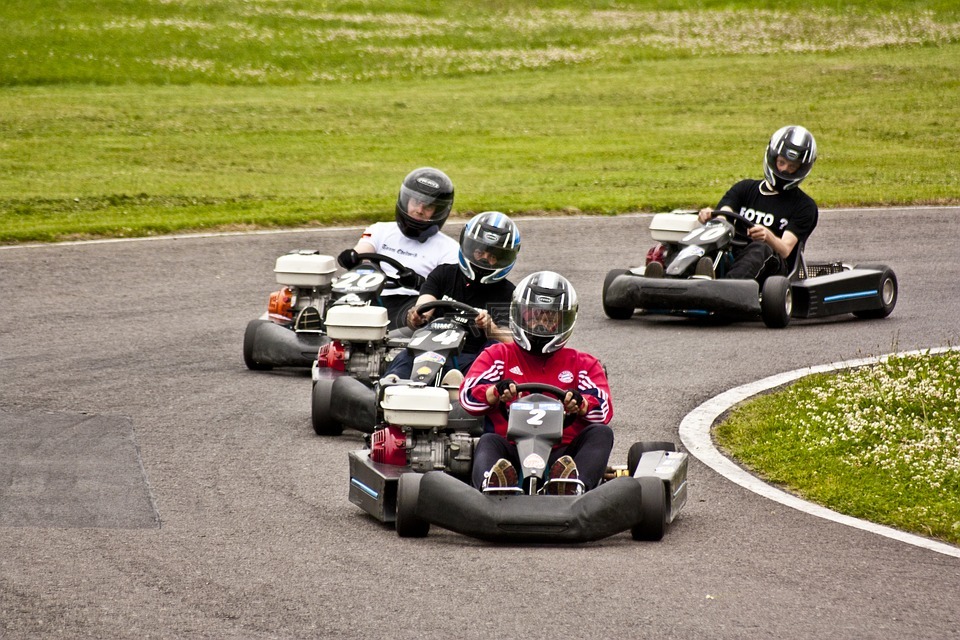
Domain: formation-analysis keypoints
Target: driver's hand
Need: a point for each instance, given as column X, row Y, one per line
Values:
column 758, row 232
column 573, row 402
column 410, row 279
column 485, row 322
column 503, row 391
column 706, row 214
column 416, row 320
column 348, row 259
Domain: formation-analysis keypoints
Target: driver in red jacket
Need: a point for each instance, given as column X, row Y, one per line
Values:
column 542, row 315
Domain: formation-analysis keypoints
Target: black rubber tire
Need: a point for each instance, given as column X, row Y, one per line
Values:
column 889, row 290
column 654, row 522
column 408, row 525
column 249, row 341
column 320, row 416
column 614, row 313
column 637, row 449
column 776, row 302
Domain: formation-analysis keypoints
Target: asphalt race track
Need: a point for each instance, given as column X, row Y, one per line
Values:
column 151, row 486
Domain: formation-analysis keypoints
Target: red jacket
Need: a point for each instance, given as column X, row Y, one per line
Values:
column 566, row 368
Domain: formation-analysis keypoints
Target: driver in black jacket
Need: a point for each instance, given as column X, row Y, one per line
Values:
column 489, row 244
column 783, row 215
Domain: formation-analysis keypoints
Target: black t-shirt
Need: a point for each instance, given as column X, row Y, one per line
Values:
column 447, row 282
column 791, row 210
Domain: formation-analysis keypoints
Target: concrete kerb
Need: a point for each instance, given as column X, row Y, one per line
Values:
column 695, row 433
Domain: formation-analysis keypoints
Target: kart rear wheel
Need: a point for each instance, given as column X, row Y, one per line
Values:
column 888, row 293
column 320, row 415
column 637, row 449
column 654, row 522
column 614, row 313
column 408, row 524
column 776, row 302
column 249, row 342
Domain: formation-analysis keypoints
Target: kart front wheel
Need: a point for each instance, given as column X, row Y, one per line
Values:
column 637, row 449
column 653, row 495
column 887, row 293
column 776, row 302
column 408, row 524
column 614, row 313
column 320, row 414
column 249, row 342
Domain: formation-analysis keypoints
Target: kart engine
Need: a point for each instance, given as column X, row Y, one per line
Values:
column 423, row 450
column 294, row 301
column 364, row 361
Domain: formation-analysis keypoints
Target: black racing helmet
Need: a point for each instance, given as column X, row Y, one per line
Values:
column 543, row 312
column 489, row 244
column 796, row 144
column 431, row 187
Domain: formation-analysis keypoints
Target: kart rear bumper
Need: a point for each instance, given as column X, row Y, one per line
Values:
column 668, row 295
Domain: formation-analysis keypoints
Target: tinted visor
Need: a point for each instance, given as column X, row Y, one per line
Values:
column 482, row 254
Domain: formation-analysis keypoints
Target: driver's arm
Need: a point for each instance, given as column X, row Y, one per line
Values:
column 493, row 332
column 707, row 213
column 364, row 247
column 783, row 246
column 414, row 319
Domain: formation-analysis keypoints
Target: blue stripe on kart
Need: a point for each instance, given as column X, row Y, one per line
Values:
column 367, row 490
column 851, row 296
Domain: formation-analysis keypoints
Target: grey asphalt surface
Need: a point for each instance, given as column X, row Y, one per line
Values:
column 256, row 536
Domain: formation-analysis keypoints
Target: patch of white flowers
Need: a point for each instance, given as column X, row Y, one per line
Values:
column 390, row 43
column 901, row 415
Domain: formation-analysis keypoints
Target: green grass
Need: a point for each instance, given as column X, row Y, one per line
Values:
column 879, row 442
column 132, row 118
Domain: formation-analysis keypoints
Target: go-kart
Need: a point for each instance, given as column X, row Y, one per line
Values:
column 294, row 327
column 811, row 290
column 347, row 373
column 644, row 497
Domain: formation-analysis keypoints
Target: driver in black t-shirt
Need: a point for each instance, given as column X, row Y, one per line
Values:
column 783, row 215
column 489, row 244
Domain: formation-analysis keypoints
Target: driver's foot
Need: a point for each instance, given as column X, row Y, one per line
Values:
column 705, row 268
column 653, row 270
column 564, row 478
column 502, row 477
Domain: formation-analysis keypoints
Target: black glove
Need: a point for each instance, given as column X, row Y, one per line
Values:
column 576, row 397
column 410, row 279
column 348, row 259
column 504, row 385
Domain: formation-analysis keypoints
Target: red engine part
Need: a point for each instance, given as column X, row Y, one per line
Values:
column 332, row 356
column 656, row 253
column 389, row 446
column 281, row 303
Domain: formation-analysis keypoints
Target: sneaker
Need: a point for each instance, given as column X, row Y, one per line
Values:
column 564, row 477
column 389, row 380
column 452, row 378
column 704, row 268
column 502, row 477
column 653, row 270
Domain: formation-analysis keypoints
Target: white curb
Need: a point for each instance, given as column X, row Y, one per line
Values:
column 695, row 435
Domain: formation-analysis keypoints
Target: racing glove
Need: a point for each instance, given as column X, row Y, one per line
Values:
column 348, row 259
column 410, row 279
column 503, row 385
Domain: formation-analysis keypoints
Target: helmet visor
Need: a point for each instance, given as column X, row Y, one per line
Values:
column 482, row 254
column 435, row 207
column 544, row 320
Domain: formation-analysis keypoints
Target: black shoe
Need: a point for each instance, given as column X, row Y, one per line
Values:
column 705, row 269
column 653, row 270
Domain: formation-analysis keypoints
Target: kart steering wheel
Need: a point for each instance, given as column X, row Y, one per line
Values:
column 538, row 387
column 378, row 260
column 452, row 305
column 740, row 223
